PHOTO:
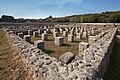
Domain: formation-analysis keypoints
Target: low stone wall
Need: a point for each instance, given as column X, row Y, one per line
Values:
column 90, row 64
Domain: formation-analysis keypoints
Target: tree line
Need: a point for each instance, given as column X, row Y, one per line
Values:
column 104, row 17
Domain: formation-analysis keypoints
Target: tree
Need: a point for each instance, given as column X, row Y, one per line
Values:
column 50, row 16
column 6, row 18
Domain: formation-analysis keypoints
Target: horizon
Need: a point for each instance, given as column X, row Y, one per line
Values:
column 44, row 8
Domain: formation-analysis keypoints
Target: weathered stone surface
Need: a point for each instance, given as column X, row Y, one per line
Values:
column 39, row 31
column 70, row 38
column 20, row 35
column 65, row 34
column 59, row 41
column 44, row 36
column 30, row 32
column 66, row 57
column 83, row 46
column 39, row 44
column 27, row 38
column 35, row 34
column 56, row 34
column 72, row 32
column 91, row 39
column 79, row 35
column 82, row 67
column 84, row 35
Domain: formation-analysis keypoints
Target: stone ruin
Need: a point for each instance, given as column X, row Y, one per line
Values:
column 89, row 64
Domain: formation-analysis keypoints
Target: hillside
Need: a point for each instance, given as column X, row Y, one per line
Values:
column 104, row 17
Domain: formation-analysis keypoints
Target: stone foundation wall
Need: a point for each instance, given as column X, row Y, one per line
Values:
column 90, row 64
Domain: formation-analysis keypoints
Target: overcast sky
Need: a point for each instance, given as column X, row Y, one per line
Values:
column 57, row 8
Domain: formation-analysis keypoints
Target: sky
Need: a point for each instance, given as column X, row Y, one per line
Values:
column 57, row 8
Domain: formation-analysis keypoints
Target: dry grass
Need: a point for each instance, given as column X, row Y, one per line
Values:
column 11, row 67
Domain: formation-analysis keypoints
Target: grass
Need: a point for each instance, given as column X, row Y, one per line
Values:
column 11, row 67
column 113, row 71
column 55, row 51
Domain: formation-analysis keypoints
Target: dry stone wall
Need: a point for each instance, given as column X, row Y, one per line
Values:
column 90, row 64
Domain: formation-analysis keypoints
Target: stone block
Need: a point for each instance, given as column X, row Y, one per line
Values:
column 45, row 31
column 39, row 31
column 72, row 32
column 70, row 38
column 44, row 36
column 20, row 35
column 39, row 44
column 93, row 32
column 59, row 41
column 65, row 34
column 30, row 32
column 27, row 38
column 56, row 34
column 35, row 34
column 83, row 46
column 79, row 35
column 91, row 39
column 84, row 35
column 66, row 57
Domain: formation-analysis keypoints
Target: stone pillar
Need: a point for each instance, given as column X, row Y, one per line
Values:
column 27, row 38
column 65, row 34
column 44, row 36
column 30, row 32
column 77, row 31
column 61, row 30
column 45, row 31
column 48, row 31
column 54, row 30
column 70, row 38
column 59, row 41
column 39, row 44
column 72, row 32
column 83, row 46
column 79, row 35
column 35, row 34
column 81, row 30
column 85, row 29
column 84, row 35
column 39, row 31
column 67, row 29
column 92, row 32
column 55, row 34
column 89, row 33
column 20, row 35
